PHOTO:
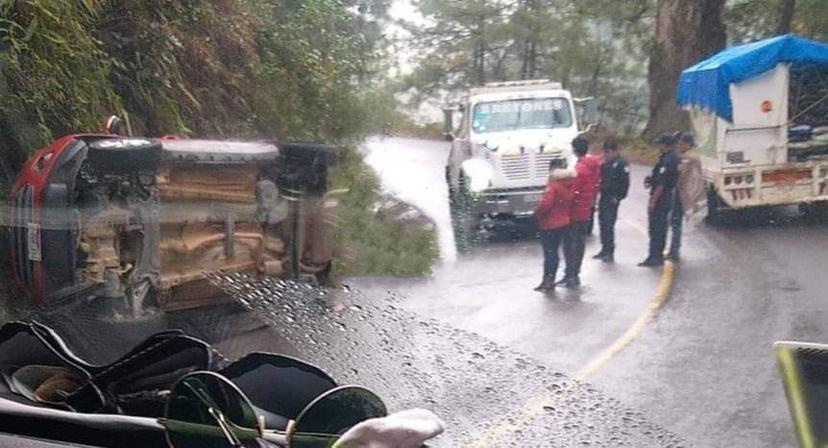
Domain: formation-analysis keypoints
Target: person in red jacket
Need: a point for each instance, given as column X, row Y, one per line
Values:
column 585, row 189
column 553, row 216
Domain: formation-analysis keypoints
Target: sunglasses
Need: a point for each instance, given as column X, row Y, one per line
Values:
column 205, row 409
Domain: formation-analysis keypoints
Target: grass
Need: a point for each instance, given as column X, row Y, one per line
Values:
column 373, row 245
column 636, row 150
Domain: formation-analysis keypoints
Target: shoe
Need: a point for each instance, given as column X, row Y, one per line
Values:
column 572, row 283
column 599, row 255
column 547, row 284
column 673, row 256
column 608, row 258
column 649, row 262
column 569, row 282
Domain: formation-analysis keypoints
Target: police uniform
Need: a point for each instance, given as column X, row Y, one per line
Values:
column 615, row 183
column 665, row 174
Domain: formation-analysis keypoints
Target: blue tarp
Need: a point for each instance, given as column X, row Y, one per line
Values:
column 706, row 84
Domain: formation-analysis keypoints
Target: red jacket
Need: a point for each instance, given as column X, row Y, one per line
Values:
column 586, row 186
column 555, row 206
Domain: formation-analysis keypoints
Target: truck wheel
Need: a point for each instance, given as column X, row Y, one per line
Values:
column 463, row 219
column 714, row 206
column 815, row 212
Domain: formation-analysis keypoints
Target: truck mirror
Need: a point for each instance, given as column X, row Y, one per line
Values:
column 448, row 121
column 588, row 110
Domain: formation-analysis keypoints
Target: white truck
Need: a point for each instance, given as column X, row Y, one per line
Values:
column 501, row 148
column 760, row 114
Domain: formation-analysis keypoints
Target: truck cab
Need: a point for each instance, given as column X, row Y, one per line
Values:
column 501, row 147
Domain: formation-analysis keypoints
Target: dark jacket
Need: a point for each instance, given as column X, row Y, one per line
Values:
column 554, row 209
column 615, row 179
column 665, row 172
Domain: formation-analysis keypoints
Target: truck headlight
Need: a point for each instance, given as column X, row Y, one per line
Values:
column 479, row 172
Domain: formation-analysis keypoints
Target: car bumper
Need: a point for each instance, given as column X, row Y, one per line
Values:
column 516, row 203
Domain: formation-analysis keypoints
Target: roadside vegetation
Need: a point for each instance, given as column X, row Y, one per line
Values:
column 291, row 70
column 377, row 243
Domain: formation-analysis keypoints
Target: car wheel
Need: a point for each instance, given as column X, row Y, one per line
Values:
column 464, row 220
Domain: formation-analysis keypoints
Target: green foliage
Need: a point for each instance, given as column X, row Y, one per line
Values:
column 385, row 115
column 375, row 246
column 291, row 70
column 54, row 71
column 594, row 47
column 759, row 19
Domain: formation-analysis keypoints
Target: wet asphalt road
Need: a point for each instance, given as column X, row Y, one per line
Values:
column 703, row 368
column 489, row 291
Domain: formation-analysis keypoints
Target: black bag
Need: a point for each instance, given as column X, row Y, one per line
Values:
column 136, row 384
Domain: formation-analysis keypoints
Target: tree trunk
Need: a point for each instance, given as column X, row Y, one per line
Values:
column 524, row 66
column 529, row 55
column 786, row 15
column 686, row 32
column 479, row 65
column 528, row 68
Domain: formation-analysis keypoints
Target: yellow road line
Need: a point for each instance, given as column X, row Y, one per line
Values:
column 535, row 406
column 663, row 291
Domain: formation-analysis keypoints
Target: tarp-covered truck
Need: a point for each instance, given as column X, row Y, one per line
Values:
column 760, row 112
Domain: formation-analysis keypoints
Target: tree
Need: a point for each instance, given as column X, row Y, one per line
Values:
column 463, row 43
column 786, row 15
column 686, row 32
column 757, row 19
column 594, row 47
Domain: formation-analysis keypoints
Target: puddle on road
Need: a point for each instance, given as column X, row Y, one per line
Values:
column 478, row 387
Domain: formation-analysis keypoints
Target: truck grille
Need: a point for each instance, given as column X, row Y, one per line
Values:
column 542, row 165
column 515, row 167
column 526, row 166
column 23, row 214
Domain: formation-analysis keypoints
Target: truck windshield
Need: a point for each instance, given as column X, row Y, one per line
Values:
column 510, row 115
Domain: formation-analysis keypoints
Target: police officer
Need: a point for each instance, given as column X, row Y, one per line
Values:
column 615, row 183
column 662, row 183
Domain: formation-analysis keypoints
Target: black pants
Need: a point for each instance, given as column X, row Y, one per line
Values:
column 591, row 224
column 551, row 241
column 607, row 216
column 676, row 221
column 574, row 244
column 658, row 220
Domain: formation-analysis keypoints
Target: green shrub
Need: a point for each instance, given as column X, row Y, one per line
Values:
column 375, row 245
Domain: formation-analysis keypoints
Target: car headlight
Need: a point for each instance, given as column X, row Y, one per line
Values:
column 479, row 172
